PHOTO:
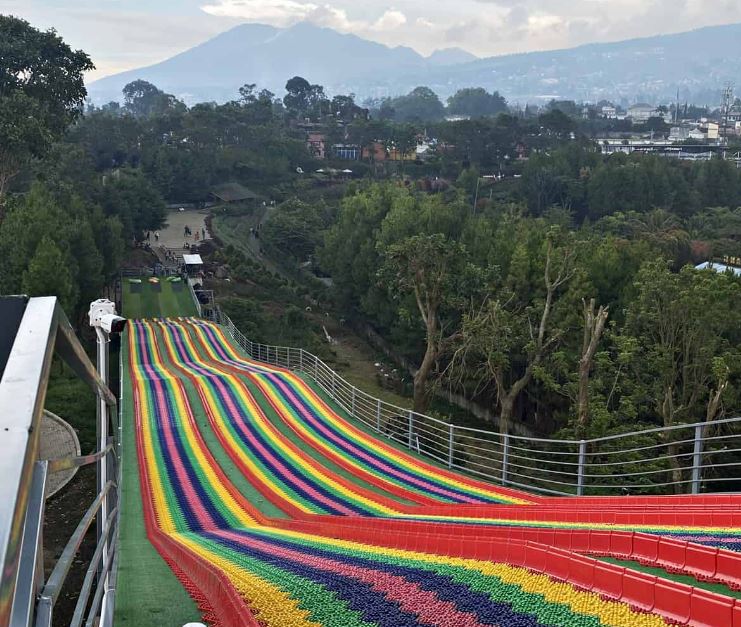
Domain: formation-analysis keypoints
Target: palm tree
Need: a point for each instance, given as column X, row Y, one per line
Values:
column 663, row 229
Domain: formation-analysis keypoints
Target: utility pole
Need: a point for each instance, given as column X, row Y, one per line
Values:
column 676, row 110
column 726, row 104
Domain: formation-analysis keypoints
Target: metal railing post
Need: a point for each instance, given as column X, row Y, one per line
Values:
column 411, row 429
column 582, row 462
column 505, row 457
column 102, row 436
column 451, row 427
column 553, row 479
column 697, row 461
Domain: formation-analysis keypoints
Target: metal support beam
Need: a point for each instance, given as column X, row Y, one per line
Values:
column 23, row 388
column 31, row 567
column 103, row 343
column 451, row 428
column 505, row 457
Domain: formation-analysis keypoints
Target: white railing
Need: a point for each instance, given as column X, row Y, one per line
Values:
column 694, row 457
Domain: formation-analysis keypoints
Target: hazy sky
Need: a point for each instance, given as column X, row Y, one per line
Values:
column 124, row 34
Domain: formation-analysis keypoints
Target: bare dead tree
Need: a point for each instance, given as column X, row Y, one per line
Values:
column 594, row 328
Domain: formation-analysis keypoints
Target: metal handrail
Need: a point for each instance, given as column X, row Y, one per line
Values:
column 506, row 456
column 43, row 332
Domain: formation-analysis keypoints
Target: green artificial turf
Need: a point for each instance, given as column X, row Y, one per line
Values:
column 718, row 588
column 147, row 593
column 165, row 300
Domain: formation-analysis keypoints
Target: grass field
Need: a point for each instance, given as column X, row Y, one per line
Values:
column 160, row 300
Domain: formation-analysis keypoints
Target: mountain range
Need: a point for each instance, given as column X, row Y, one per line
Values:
column 696, row 64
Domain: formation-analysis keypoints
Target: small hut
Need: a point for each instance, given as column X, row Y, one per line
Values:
column 229, row 193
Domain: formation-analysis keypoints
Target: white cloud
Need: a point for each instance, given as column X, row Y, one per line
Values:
column 390, row 20
column 284, row 12
column 278, row 12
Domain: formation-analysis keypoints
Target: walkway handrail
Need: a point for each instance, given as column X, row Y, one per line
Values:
column 42, row 331
column 656, row 460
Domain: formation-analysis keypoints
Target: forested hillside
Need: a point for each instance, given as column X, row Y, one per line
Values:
column 515, row 264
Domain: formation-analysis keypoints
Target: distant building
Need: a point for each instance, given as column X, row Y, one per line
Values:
column 711, row 130
column 347, row 152
column 374, row 152
column 424, row 151
column 316, row 143
column 679, row 133
column 642, row 112
column 729, row 264
column 233, row 192
column 609, row 112
column 396, row 155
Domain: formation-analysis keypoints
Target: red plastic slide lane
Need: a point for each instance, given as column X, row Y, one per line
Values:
column 677, row 516
column 705, row 563
column 475, row 509
column 666, row 501
column 210, row 589
column 380, row 443
column 676, row 602
column 367, row 477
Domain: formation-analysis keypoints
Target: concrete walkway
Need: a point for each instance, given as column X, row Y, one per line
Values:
column 172, row 234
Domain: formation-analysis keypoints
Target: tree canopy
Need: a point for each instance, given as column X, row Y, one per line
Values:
column 476, row 102
column 41, row 93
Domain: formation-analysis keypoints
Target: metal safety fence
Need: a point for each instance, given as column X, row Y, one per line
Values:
column 33, row 332
column 698, row 457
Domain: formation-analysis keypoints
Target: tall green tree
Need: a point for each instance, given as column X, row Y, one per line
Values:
column 684, row 328
column 420, row 105
column 476, row 102
column 41, row 93
column 505, row 343
column 142, row 99
column 427, row 267
column 49, row 275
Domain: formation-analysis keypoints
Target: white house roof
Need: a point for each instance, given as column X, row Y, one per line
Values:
column 718, row 267
column 192, row 260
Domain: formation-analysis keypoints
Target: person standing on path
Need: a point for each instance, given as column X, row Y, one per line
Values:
column 156, row 236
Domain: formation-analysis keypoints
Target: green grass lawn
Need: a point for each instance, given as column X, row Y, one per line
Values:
column 163, row 300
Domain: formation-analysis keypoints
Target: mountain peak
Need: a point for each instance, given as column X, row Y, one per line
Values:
column 697, row 63
column 451, row 56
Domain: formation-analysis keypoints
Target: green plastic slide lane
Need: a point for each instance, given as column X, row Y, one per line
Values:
column 148, row 593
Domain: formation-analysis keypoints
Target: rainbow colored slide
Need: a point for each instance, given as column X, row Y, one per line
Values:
column 370, row 535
